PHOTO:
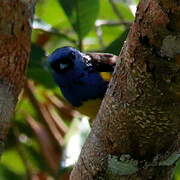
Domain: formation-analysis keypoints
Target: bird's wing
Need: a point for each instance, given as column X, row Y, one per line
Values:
column 102, row 62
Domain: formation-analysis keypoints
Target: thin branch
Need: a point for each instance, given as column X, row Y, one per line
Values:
column 51, row 125
column 21, row 152
column 47, row 147
column 65, row 109
column 99, row 34
column 61, row 126
column 100, row 23
column 43, row 112
column 38, row 24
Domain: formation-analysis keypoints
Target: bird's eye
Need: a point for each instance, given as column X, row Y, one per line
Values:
column 63, row 66
column 65, row 60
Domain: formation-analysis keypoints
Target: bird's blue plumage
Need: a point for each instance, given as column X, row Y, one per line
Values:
column 74, row 73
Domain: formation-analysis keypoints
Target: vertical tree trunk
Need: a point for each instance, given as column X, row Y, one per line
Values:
column 15, row 34
column 139, row 120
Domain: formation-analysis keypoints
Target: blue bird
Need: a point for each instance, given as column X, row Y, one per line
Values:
column 79, row 78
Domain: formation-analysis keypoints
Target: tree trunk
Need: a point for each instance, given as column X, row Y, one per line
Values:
column 15, row 36
column 137, row 127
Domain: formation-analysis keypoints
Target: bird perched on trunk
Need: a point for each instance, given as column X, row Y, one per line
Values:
column 79, row 77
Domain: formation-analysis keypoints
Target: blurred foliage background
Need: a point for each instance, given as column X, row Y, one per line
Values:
column 47, row 133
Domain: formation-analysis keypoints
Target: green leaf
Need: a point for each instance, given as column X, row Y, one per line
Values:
column 6, row 173
column 37, row 55
column 117, row 44
column 125, row 11
column 177, row 171
column 36, row 158
column 111, row 15
column 104, row 8
column 136, row 1
column 81, row 13
column 13, row 161
column 52, row 13
column 38, row 67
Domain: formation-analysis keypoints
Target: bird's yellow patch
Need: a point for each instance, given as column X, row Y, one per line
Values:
column 90, row 107
column 106, row 75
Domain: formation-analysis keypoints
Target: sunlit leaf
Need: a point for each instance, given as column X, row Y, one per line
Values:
column 82, row 14
column 51, row 12
column 125, row 11
column 122, row 7
column 104, row 8
column 24, row 107
column 13, row 161
column 136, row 1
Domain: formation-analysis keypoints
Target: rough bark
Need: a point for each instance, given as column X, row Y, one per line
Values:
column 140, row 114
column 15, row 34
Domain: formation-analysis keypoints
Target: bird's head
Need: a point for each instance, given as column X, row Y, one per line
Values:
column 63, row 59
column 67, row 64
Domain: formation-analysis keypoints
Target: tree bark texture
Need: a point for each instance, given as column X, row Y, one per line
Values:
column 140, row 114
column 15, row 35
